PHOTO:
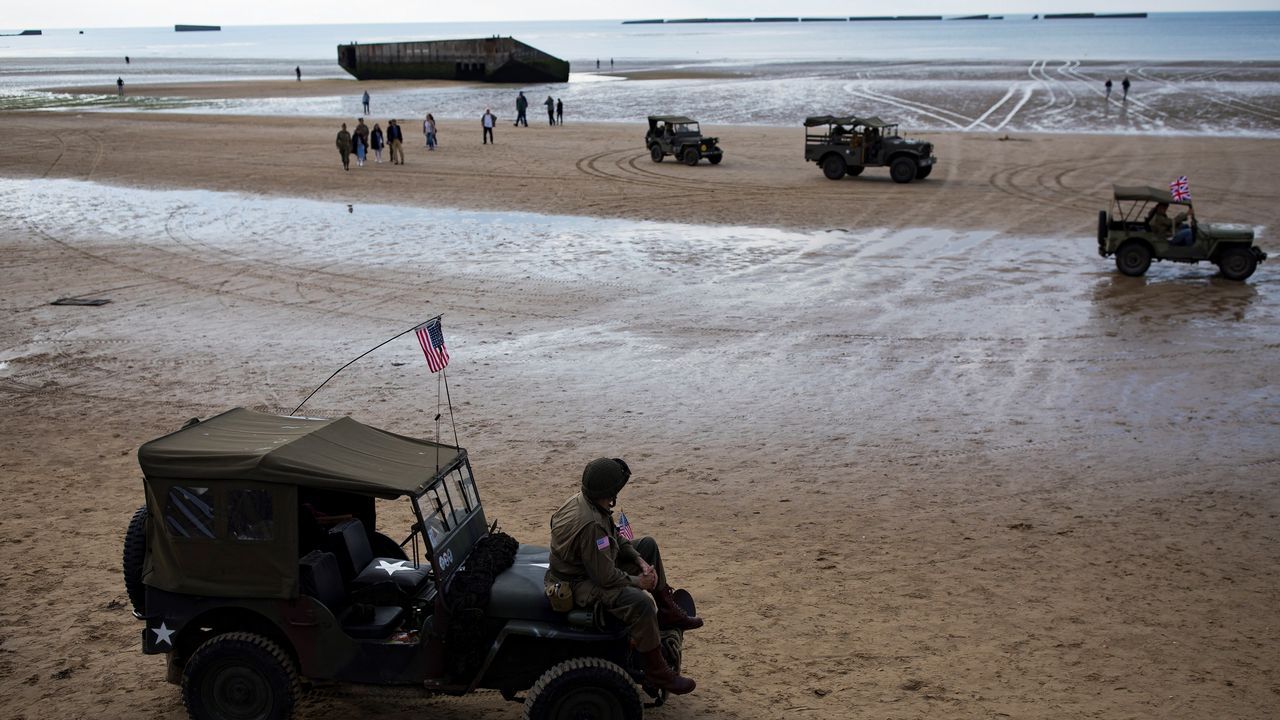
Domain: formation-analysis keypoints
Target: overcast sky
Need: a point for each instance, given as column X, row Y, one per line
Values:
column 20, row 14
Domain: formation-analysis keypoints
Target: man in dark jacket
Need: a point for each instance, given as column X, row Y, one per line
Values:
column 522, row 104
column 599, row 564
column 395, row 139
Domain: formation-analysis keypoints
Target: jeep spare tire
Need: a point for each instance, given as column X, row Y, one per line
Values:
column 1102, row 227
column 655, row 153
column 834, row 167
column 690, row 156
column 135, row 549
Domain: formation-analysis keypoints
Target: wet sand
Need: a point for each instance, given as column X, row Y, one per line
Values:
column 918, row 451
column 226, row 90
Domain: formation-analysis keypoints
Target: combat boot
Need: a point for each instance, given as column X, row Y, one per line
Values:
column 658, row 674
column 671, row 615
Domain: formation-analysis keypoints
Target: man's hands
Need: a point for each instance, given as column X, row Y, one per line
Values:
column 648, row 577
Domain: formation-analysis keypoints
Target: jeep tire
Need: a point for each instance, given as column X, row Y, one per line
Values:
column 1133, row 258
column 715, row 159
column 903, row 170
column 1102, row 227
column 1237, row 263
column 690, row 156
column 135, row 549
column 583, row 688
column 923, row 172
column 240, row 676
column 655, row 153
column 834, row 167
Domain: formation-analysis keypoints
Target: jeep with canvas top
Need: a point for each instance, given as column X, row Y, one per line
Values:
column 1126, row 232
column 680, row 136
column 262, row 569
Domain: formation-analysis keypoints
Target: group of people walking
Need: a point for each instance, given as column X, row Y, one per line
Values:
column 363, row 140
column 555, row 110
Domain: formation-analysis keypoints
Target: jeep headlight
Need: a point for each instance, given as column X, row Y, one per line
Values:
column 703, row 147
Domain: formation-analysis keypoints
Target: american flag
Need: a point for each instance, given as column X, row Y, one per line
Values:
column 431, row 338
column 1179, row 190
column 624, row 527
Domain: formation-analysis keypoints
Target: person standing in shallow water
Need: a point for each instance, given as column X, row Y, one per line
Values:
column 1125, row 87
column 298, row 71
column 344, row 147
column 1108, row 86
column 120, row 86
column 365, row 100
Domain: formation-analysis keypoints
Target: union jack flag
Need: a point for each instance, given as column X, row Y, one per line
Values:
column 1179, row 190
column 431, row 338
column 624, row 527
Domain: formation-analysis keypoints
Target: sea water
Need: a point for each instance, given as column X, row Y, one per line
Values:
column 1196, row 73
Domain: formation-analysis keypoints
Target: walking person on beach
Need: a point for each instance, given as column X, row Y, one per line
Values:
column 376, row 142
column 486, row 121
column 429, row 129
column 1108, row 86
column 551, row 111
column 344, row 147
column 522, row 104
column 360, row 144
column 559, row 112
column 298, row 71
column 366, row 102
column 1125, row 86
column 120, row 86
column 395, row 139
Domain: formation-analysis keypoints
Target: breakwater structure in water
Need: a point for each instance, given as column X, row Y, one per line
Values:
column 197, row 28
column 494, row 59
column 24, row 32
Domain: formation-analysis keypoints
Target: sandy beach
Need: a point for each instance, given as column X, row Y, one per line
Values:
column 916, row 449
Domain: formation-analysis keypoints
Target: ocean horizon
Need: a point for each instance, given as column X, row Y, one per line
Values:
column 1192, row 73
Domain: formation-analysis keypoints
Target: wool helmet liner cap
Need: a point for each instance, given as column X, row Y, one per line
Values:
column 605, row 477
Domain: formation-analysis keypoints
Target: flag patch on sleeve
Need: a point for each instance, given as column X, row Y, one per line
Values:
column 602, row 543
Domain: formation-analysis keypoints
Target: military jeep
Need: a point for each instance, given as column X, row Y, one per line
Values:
column 846, row 145
column 679, row 136
column 261, row 571
column 1126, row 233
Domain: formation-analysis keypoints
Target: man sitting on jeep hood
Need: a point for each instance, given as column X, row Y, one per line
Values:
column 589, row 554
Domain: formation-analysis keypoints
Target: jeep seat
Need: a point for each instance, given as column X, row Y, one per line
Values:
column 360, row 568
column 320, row 578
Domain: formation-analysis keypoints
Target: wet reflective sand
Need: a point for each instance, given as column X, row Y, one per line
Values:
column 907, row 471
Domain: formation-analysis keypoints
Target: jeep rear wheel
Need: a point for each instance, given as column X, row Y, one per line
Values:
column 903, row 170
column 655, row 153
column 690, row 156
column 135, row 549
column 583, row 689
column 1237, row 263
column 1133, row 258
column 834, row 167
column 240, row 676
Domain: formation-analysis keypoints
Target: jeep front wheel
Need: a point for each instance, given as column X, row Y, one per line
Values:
column 655, row 153
column 854, row 170
column 903, row 170
column 1133, row 258
column 1237, row 263
column 924, row 172
column 834, row 167
column 240, row 676
column 715, row 159
column 583, row 689
column 690, row 156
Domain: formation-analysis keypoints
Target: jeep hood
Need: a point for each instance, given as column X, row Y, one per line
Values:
column 1226, row 231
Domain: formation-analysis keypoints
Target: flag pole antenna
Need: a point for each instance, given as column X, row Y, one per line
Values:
column 349, row 364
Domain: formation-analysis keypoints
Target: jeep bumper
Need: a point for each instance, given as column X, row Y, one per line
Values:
column 927, row 161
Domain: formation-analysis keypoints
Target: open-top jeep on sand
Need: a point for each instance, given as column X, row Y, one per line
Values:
column 680, row 136
column 845, row 145
column 1127, row 233
column 260, row 570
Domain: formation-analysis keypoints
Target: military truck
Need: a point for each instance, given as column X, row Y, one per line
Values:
column 680, row 136
column 846, row 145
column 262, row 570
column 1126, row 233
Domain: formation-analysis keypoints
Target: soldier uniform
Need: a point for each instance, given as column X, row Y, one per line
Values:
column 589, row 553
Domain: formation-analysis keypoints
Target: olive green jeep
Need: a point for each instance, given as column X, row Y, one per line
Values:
column 846, row 145
column 680, row 136
column 1126, row 232
column 261, row 571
